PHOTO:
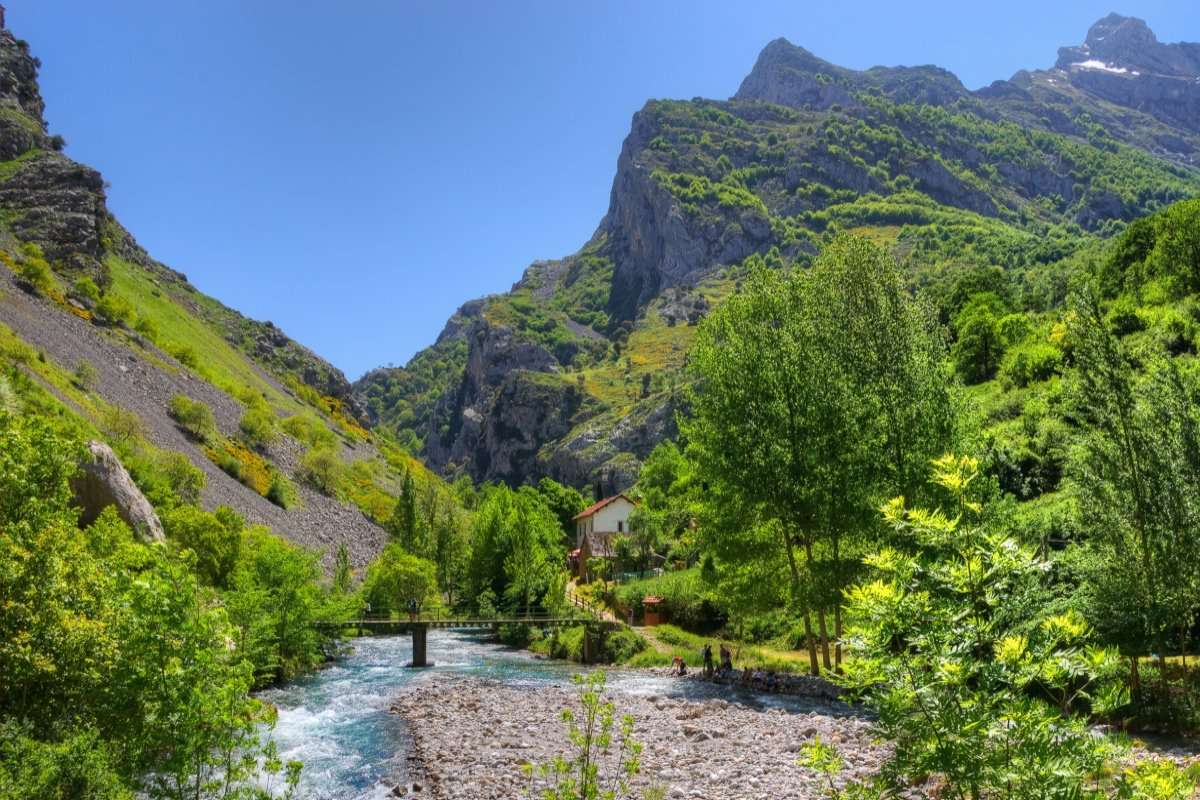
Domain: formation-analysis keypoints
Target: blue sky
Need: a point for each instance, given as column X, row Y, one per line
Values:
column 355, row 170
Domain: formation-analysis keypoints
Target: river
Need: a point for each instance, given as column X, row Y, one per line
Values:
column 337, row 722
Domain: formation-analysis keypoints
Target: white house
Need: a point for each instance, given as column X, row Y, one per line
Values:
column 597, row 528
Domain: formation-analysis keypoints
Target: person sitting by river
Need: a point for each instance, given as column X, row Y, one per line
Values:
column 747, row 675
column 726, row 658
column 708, row 660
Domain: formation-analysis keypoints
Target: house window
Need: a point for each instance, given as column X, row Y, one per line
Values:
column 620, row 526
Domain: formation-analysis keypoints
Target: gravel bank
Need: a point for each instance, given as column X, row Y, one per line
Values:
column 471, row 736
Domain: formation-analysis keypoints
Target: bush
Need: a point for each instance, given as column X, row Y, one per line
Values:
column 85, row 375
column 258, row 426
column 282, row 492
column 1030, row 362
column 215, row 539
column 1123, row 317
column 85, row 289
column 308, row 429
column 194, row 417
column 146, row 328
column 184, row 355
column 322, row 469
column 114, row 311
column 35, row 272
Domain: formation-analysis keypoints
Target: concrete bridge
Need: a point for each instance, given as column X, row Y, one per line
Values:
column 419, row 629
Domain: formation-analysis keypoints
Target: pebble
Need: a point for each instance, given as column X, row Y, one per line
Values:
column 472, row 735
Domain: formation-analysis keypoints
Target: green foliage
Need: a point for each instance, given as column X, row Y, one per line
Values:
column 322, row 469
column 343, row 575
column 308, row 429
column 1164, row 247
column 282, row 492
column 215, row 540
column 397, row 579
column 118, row 677
column 816, row 390
column 604, row 756
column 273, row 600
column 86, row 290
column 34, row 270
column 85, row 375
column 564, row 502
column 516, row 546
column 1136, row 474
column 974, row 679
column 259, row 427
column 194, row 417
column 1030, row 362
column 114, row 310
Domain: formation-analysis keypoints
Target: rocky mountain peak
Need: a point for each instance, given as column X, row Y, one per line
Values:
column 1127, row 46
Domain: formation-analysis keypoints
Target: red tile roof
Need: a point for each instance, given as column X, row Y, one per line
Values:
column 594, row 507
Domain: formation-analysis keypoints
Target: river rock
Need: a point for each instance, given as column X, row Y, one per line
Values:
column 102, row 482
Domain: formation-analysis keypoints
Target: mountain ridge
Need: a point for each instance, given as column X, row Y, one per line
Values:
column 590, row 346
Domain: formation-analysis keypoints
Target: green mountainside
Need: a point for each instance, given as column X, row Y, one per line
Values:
column 574, row 373
column 202, row 404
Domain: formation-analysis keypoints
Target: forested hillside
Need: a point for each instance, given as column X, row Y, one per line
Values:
column 575, row 372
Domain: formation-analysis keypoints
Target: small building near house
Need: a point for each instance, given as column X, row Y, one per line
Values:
column 651, row 610
column 597, row 528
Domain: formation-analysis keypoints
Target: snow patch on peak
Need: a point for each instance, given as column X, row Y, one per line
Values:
column 1093, row 63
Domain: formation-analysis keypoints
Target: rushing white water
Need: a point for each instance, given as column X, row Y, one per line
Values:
column 336, row 721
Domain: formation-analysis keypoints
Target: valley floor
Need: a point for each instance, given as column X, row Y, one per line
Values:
column 471, row 737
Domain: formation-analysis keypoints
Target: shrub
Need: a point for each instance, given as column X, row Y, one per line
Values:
column 282, row 492
column 121, row 425
column 184, row 355
column 85, row 375
column 308, row 429
column 86, row 289
column 258, row 426
column 323, row 470
column 194, row 417
column 215, row 539
column 1123, row 317
column 35, row 272
column 114, row 311
column 1030, row 362
column 146, row 328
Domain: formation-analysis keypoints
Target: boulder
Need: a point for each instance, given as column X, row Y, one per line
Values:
column 105, row 482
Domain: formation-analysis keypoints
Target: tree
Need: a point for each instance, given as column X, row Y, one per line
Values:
column 514, row 537
column 975, row 682
column 403, row 523
column 214, row 539
column 564, row 502
column 1136, row 475
column 815, row 391
column 194, row 417
column 323, row 469
column 259, row 426
column 342, row 573
column 398, row 578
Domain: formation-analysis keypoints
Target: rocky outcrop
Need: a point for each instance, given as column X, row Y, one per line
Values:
column 103, row 482
column 510, row 401
column 60, row 205
column 1123, row 62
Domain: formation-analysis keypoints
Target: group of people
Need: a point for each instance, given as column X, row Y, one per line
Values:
column 724, row 672
column 679, row 666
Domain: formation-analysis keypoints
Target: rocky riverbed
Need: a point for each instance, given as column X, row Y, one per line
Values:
column 471, row 736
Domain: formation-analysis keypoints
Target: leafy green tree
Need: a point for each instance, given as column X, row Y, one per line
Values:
column 978, row 348
column 1136, row 474
column 515, row 545
column 403, row 523
column 214, row 539
column 34, row 270
column 194, row 417
column 114, row 310
column 274, row 600
column 564, row 502
column 343, row 575
column 118, row 675
column 974, row 680
column 815, row 391
column 397, row 578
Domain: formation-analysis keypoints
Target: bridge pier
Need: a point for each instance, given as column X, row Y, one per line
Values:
column 419, row 637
